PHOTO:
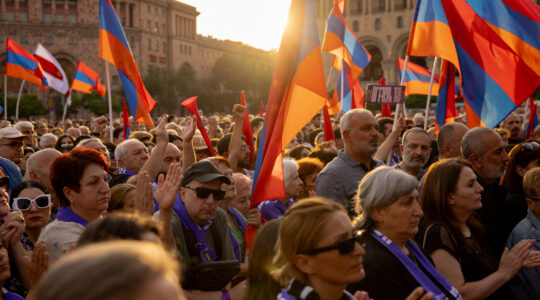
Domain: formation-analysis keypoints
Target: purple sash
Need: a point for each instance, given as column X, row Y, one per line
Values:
column 415, row 271
column 65, row 214
column 10, row 296
column 299, row 291
column 205, row 252
column 126, row 171
column 272, row 209
column 242, row 225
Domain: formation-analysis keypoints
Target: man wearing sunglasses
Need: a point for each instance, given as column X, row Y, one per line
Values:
column 199, row 227
column 11, row 144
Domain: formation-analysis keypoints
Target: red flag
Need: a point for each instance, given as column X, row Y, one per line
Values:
column 246, row 127
column 328, row 130
column 125, row 114
column 386, row 110
column 533, row 119
column 191, row 105
column 261, row 109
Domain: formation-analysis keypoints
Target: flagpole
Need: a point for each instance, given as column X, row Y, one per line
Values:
column 435, row 62
column 65, row 110
column 401, row 83
column 343, row 79
column 110, row 100
column 5, row 97
column 19, row 100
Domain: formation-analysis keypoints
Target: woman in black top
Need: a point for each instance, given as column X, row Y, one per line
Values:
column 389, row 215
column 452, row 236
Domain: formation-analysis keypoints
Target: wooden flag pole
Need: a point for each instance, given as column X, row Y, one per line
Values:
column 5, row 97
column 110, row 101
column 429, row 92
column 19, row 100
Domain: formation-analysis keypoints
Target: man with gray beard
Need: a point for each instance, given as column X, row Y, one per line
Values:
column 415, row 147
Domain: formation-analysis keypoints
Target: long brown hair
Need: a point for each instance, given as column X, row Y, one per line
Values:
column 441, row 181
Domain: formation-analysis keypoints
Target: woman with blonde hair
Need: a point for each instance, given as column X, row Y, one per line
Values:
column 319, row 252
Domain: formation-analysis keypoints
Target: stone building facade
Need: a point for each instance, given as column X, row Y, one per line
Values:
column 161, row 34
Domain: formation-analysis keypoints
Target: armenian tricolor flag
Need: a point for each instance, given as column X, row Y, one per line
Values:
column 495, row 79
column 23, row 65
column 341, row 41
column 114, row 48
column 86, row 80
column 353, row 94
column 417, row 79
column 446, row 103
column 298, row 92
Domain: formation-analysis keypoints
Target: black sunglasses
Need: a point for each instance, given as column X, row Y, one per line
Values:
column 344, row 247
column 204, row 193
column 4, row 183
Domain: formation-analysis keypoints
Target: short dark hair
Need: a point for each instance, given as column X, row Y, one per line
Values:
column 25, row 185
column 382, row 123
column 116, row 132
column 256, row 121
column 67, row 170
column 224, row 142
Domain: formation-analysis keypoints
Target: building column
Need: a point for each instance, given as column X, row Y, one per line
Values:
column 367, row 6
column 2, row 9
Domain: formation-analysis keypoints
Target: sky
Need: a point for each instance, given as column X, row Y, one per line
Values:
column 258, row 23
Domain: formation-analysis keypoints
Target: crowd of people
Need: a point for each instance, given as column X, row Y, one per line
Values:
column 384, row 210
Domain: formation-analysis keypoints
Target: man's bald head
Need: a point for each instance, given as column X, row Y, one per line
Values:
column 38, row 165
column 449, row 139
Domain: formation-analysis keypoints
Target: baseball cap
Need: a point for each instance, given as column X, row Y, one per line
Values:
column 10, row 133
column 203, row 171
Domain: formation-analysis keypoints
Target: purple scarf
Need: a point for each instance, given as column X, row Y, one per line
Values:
column 242, row 225
column 205, row 252
column 65, row 214
column 272, row 209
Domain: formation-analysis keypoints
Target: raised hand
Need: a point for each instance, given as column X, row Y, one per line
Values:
column 189, row 130
column 254, row 217
column 38, row 263
column 12, row 229
column 168, row 188
column 144, row 203
column 239, row 111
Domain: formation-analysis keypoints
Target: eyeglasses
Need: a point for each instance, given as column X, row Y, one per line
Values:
column 24, row 203
column 533, row 198
column 204, row 193
column 14, row 145
column 531, row 145
column 4, row 183
column 344, row 247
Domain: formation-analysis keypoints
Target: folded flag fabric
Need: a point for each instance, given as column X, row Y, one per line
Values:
column 52, row 70
column 446, row 103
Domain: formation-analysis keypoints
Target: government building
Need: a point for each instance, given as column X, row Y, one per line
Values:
column 161, row 33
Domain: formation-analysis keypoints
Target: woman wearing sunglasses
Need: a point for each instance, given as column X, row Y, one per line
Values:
column 33, row 200
column 389, row 214
column 80, row 181
column 319, row 253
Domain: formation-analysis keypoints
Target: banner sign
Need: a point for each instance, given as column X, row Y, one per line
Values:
column 385, row 94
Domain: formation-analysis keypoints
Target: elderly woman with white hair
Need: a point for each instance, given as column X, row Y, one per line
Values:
column 271, row 209
column 388, row 216
column 48, row 140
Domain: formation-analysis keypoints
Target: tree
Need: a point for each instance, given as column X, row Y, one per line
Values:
column 29, row 105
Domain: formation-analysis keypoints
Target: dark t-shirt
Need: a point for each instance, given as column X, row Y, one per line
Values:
column 474, row 257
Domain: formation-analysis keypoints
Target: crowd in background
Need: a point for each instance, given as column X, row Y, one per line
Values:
column 384, row 210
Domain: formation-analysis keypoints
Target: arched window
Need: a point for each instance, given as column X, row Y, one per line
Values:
column 378, row 24
column 399, row 22
column 374, row 70
column 355, row 26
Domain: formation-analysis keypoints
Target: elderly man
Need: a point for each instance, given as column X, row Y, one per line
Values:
column 131, row 155
column 416, row 147
column 11, row 144
column 74, row 132
column 27, row 129
column 48, row 140
column 172, row 155
column 484, row 148
column 339, row 179
column 38, row 168
column 449, row 140
column 199, row 227
column 513, row 124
